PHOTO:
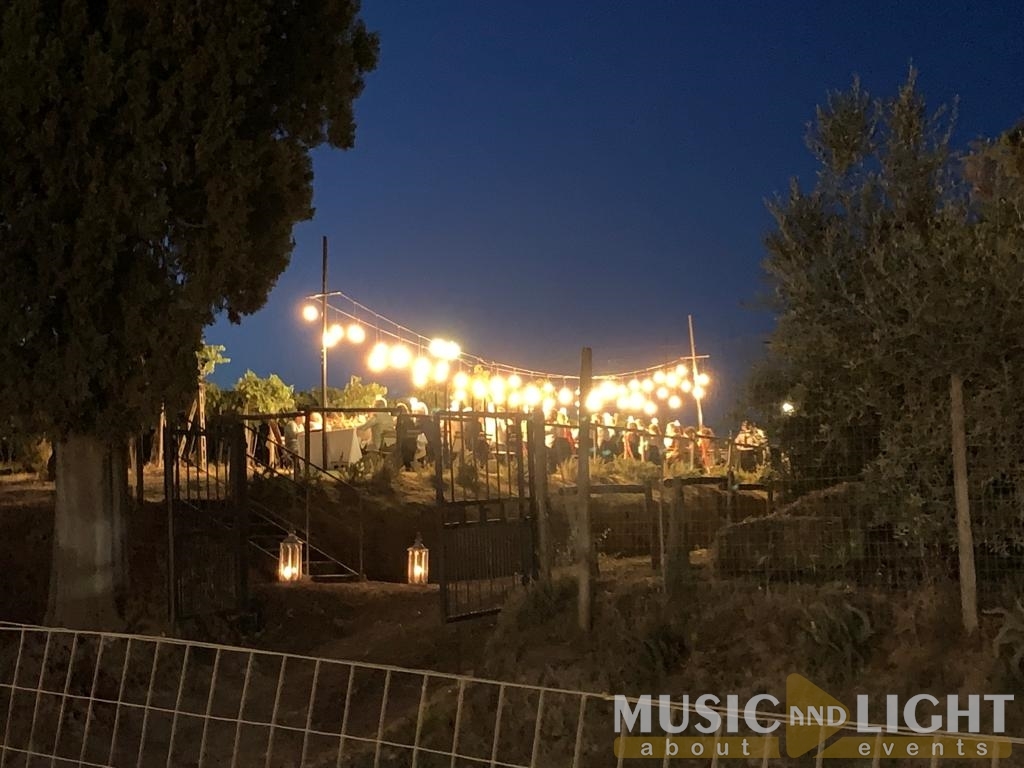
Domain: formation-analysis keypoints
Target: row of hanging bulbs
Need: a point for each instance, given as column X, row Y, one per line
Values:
column 435, row 363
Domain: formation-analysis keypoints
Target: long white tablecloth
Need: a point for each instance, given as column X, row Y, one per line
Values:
column 342, row 448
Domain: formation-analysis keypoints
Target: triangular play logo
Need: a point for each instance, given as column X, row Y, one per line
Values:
column 812, row 715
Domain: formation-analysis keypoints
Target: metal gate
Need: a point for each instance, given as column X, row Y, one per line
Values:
column 484, row 496
column 207, row 525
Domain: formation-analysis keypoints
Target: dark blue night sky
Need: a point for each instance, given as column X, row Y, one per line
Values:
column 534, row 177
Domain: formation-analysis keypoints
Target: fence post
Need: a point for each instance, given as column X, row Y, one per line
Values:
column 240, row 492
column 677, row 549
column 169, row 498
column 140, row 473
column 585, row 543
column 965, row 537
column 654, row 524
column 539, row 483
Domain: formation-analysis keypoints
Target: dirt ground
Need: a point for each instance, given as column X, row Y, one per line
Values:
column 365, row 621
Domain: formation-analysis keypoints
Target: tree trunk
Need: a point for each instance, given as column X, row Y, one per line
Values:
column 965, row 536
column 88, row 569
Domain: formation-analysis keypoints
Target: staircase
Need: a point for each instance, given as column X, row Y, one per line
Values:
column 267, row 528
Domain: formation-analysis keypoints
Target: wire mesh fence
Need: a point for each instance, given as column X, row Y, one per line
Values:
column 814, row 509
column 102, row 699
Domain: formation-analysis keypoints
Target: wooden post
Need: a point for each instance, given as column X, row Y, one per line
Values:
column 965, row 536
column 585, row 543
column 140, row 464
column 158, row 439
column 539, row 481
column 653, row 524
column 677, row 550
column 239, row 479
column 201, row 417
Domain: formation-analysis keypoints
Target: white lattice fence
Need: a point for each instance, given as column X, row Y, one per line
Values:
column 102, row 699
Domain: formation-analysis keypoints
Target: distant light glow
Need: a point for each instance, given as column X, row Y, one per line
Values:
column 441, row 370
column 675, row 402
column 788, row 408
column 565, row 396
column 703, row 379
column 356, row 333
column 310, row 313
column 400, row 356
column 378, row 359
column 650, row 408
column 659, row 377
column 698, row 392
column 662, row 393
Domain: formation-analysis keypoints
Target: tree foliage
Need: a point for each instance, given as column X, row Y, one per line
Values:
column 270, row 395
column 209, row 357
column 901, row 267
column 355, row 394
column 156, row 157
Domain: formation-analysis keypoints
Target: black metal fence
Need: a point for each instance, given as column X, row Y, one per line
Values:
column 207, row 523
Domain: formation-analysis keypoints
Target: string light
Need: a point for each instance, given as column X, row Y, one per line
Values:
column 515, row 386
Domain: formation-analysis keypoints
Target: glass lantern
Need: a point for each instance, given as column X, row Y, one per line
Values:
column 289, row 566
column 419, row 562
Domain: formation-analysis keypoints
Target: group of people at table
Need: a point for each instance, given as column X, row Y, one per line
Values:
column 407, row 431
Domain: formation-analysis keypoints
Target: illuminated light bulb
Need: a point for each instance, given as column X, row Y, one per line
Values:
column 609, row 388
column 671, row 380
column 479, row 389
column 703, row 379
column 459, row 396
column 438, row 347
column 441, row 371
column 698, row 392
column 452, row 351
column 650, row 408
column 594, row 401
column 356, row 333
column 515, row 399
column 681, row 371
column 634, row 385
column 400, row 356
column 378, row 359
column 461, row 380
column 636, row 401
column 532, row 395
column 333, row 335
column 659, row 377
column 662, row 393
column 547, row 387
column 647, row 386
column 422, row 366
column 675, row 402
column 310, row 313
column 420, row 379
column 548, row 404
column 622, row 403
column 686, row 386
column 565, row 396
column 514, row 381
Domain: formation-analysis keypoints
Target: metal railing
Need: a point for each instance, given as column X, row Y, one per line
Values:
column 104, row 699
